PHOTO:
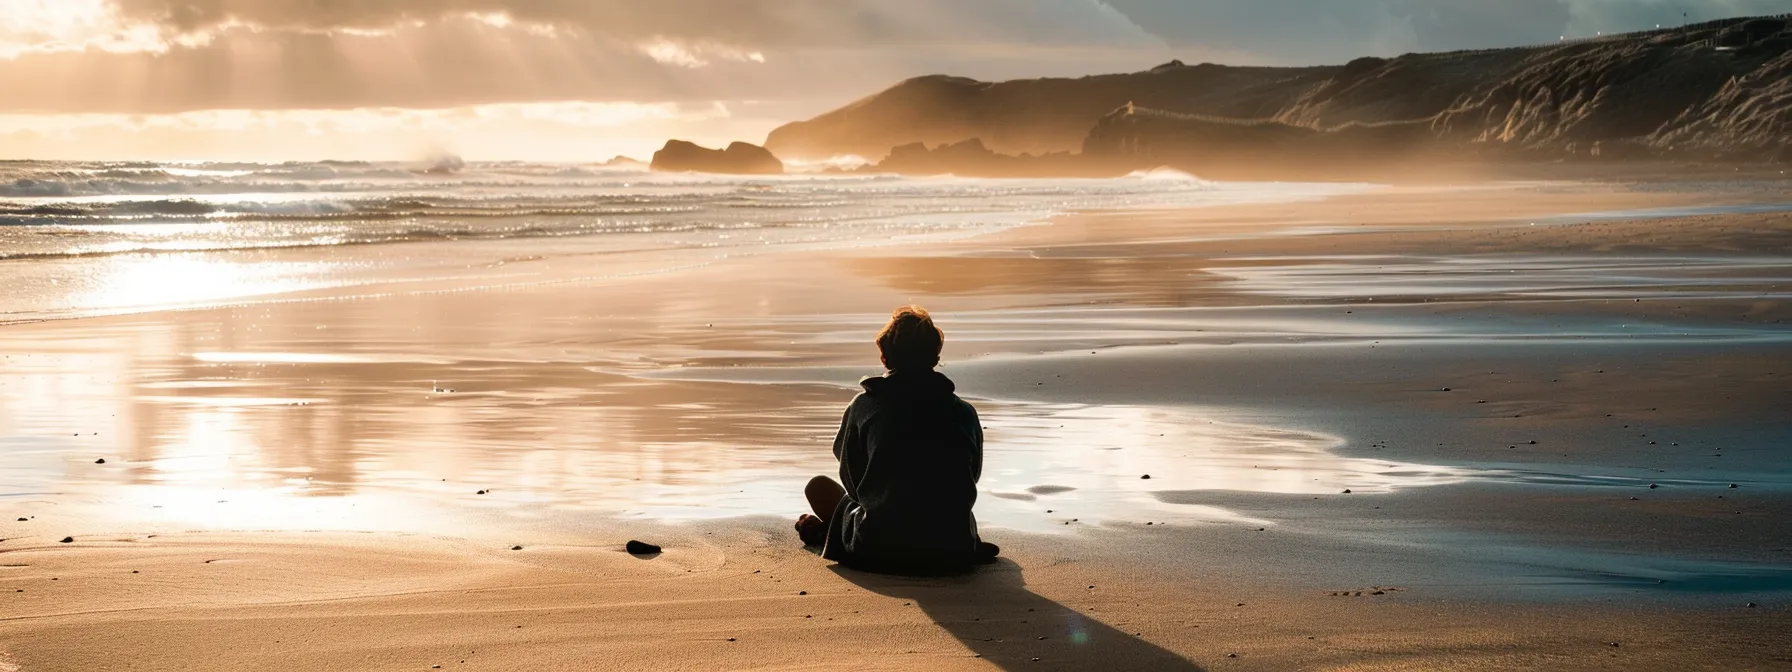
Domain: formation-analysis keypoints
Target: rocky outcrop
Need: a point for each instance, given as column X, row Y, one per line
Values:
column 971, row 158
column 1134, row 137
column 739, row 158
column 1720, row 90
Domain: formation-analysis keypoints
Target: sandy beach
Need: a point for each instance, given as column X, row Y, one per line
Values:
column 1497, row 426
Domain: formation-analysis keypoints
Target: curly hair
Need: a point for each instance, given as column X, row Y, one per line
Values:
column 910, row 341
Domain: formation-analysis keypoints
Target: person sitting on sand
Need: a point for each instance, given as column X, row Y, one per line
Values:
column 910, row 455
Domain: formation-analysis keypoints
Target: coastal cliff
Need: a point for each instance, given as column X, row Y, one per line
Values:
column 1720, row 90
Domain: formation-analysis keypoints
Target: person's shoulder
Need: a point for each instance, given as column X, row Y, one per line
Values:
column 963, row 406
column 864, row 399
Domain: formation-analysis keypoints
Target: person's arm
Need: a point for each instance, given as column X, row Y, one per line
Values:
column 846, row 435
column 976, row 444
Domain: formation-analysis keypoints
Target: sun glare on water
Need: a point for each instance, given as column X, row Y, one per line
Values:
column 174, row 280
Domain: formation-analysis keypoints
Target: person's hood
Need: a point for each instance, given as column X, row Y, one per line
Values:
column 909, row 384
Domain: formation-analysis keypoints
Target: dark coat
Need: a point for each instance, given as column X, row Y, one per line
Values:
column 910, row 455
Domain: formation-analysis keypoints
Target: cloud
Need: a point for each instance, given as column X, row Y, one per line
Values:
column 695, row 55
column 283, row 54
column 165, row 58
column 541, row 131
column 753, row 23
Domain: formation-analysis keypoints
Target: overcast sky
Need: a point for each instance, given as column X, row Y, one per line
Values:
column 583, row 79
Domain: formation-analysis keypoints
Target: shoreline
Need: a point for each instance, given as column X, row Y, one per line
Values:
column 565, row 393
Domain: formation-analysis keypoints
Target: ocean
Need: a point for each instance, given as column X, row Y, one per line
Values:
column 82, row 238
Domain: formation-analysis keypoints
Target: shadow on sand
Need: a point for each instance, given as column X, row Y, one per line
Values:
column 992, row 612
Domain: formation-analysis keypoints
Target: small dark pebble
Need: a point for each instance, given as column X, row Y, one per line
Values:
column 802, row 592
column 1751, row 605
column 481, row 492
column 642, row 548
column 1347, row 492
column 1533, row 442
column 1653, row 486
column 23, row 520
column 1614, row 643
column 100, row 461
column 1231, row 655
column 730, row 639
column 516, row 548
column 1146, row 477
column 1732, row 485
column 68, row 540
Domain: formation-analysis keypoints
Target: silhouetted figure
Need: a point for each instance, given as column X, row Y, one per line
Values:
column 910, row 455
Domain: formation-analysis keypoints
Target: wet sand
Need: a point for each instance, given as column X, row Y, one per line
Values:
column 1496, row 375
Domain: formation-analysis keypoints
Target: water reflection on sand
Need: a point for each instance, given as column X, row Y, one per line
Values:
column 287, row 439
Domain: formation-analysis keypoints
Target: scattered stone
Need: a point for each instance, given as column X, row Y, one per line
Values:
column 68, row 540
column 802, row 592
column 23, row 520
column 1231, row 655
column 1732, row 486
column 1614, row 643
column 481, row 492
column 1347, row 491
column 731, row 639
column 1146, row 477
column 516, row 548
column 642, row 548
column 1533, row 442
column 1446, row 389
column 1653, row 486
column 100, row 461
column 1751, row 605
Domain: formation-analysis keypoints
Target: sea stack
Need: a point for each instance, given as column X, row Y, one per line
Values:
column 739, row 158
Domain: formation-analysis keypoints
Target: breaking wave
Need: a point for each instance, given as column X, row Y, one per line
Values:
column 50, row 209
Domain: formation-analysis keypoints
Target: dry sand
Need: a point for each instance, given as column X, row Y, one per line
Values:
column 1500, row 531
